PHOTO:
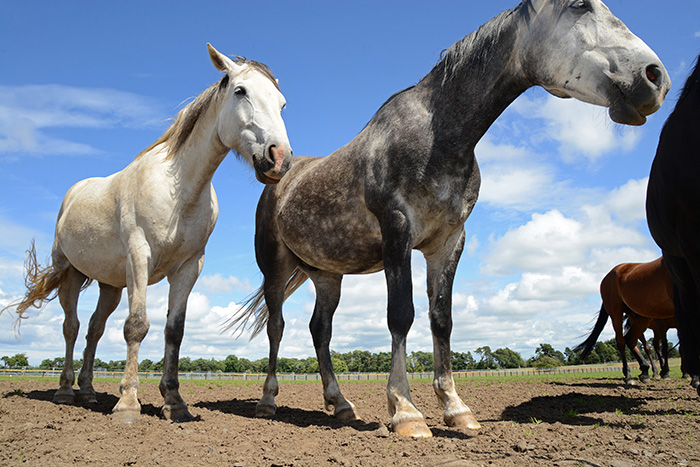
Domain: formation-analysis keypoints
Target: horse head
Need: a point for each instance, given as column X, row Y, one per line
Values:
column 578, row 48
column 249, row 116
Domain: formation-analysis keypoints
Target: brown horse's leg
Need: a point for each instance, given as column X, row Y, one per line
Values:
column 441, row 270
column 650, row 357
column 68, row 293
column 106, row 304
column 638, row 325
column 327, row 297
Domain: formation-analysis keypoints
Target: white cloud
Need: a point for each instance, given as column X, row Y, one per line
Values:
column 218, row 284
column 27, row 111
column 582, row 130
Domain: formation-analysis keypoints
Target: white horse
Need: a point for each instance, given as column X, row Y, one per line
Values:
column 152, row 220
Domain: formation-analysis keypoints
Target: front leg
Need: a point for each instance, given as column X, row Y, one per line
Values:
column 406, row 419
column 181, row 282
column 442, row 265
column 128, row 409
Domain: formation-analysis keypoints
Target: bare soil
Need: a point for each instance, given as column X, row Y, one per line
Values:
column 557, row 422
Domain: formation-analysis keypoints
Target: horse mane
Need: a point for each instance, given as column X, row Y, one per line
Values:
column 186, row 119
column 475, row 48
column 692, row 81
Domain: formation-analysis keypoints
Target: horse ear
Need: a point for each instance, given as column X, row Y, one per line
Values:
column 222, row 62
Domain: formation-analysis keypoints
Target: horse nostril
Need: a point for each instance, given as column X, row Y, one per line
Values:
column 654, row 74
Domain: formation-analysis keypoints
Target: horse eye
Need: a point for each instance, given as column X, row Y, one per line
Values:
column 239, row 91
column 579, row 4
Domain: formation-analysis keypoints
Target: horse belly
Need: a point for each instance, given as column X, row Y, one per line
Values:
column 349, row 243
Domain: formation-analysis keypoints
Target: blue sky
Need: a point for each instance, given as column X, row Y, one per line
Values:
column 85, row 86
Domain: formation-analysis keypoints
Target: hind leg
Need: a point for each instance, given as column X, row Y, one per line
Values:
column 277, row 265
column 327, row 297
column 650, row 357
column 636, row 332
column 68, row 293
column 441, row 270
column 107, row 303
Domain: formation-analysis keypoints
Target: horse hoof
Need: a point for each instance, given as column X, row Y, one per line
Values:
column 695, row 383
column 178, row 415
column 63, row 398
column 126, row 417
column 644, row 379
column 86, row 398
column 347, row 415
column 630, row 382
column 666, row 376
column 463, row 420
column 265, row 410
column 412, row 428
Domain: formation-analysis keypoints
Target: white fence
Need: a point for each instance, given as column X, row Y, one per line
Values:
column 55, row 373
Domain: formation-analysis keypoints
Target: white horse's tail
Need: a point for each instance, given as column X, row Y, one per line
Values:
column 42, row 284
column 255, row 306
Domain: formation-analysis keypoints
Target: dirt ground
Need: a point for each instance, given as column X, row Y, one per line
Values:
column 556, row 422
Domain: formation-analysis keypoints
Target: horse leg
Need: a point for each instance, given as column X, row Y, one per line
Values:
column 128, row 409
column 615, row 314
column 106, row 304
column 661, row 348
column 441, row 269
column 327, row 297
column 406, row 419
column 68, row 293
column 181, row 282
column 650, row 357
column 277, row 265
column 686, row 298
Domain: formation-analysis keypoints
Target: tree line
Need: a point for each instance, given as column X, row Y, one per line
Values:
column 360, row 361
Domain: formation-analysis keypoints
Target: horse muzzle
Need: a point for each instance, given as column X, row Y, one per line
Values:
column 274, row 164
column 632, row 104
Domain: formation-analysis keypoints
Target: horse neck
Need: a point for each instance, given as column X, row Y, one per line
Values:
column 478, row 78
column 194, row 163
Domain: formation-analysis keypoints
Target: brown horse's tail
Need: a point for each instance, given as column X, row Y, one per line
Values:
column 584, row 348
column 42, row 284
column 255, row 306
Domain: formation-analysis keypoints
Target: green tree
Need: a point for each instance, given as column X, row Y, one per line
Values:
column 487, row 360
column 462, row 361
column 419, row 361
column 507, row 358
column 146, row 365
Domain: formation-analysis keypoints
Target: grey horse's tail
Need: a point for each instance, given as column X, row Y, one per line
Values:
column 585, row 347
column 255, row 306
column 42, row 284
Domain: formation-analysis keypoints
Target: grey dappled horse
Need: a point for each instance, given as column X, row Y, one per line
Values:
column 409, row 180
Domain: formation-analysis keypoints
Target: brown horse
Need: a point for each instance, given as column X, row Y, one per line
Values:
column 644, row 289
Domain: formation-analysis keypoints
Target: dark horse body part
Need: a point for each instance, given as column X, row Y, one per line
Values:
column 409, row 180
column 641, row 291
column 635, row 326
column 673, row 213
